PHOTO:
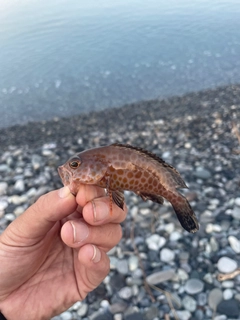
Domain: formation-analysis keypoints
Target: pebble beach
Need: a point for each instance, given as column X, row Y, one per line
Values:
column 158, row 270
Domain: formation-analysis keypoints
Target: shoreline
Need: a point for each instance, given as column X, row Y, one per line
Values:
column 199, row 104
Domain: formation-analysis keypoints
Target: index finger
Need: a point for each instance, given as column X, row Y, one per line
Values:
column 98, row 212
column 87, row 193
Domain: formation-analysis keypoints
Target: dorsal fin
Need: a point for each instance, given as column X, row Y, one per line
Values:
column 179, row 181
column 146, row 153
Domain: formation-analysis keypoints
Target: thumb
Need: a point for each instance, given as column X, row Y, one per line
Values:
column 39, row 218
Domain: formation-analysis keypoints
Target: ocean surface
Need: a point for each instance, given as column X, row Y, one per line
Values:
column 63, row 57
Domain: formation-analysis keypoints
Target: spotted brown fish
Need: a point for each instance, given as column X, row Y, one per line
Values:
column 120, row 167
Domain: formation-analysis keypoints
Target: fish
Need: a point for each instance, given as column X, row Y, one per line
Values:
column 118, row 167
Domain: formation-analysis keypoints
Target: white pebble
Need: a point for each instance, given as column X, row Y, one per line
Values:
column 19, row 185
column 208, row 278
column 226, row 265
column 133, row 263
column 104, row 304
column 236, row 212
column 227, row 294
column 167, row 255
column 155, row 242
column 221, row 317
column 234, row 243
column 82, row 310
column 18, row 211
column 9, row 216
column 228, row 284
column 145, row 211
column 175, row 236
column 3, row 205
column 182, row 275
column 189, row 303
column 67, row 315
column 3, row 188
column 125, row 293
column 183, row 315
column 237, row 202
column 47, row 152
column 169, row 227
column 213, row 228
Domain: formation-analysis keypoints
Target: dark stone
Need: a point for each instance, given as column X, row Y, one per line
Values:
column 134, row 316
column 229, row 307
column 117, row 282
column 101, row 315
column 153, row 255
column 151, row 313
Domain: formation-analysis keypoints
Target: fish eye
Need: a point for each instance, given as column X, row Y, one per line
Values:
column 74, row 163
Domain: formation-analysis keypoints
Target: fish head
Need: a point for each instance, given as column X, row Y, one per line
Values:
column 82, row 170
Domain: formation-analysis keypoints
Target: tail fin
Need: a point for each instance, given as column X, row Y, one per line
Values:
column 186, row 216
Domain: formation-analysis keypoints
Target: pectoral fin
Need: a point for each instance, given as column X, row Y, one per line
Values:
column 118, row 198
column 152, row 197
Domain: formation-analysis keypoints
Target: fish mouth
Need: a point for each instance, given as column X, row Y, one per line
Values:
column 65, row 175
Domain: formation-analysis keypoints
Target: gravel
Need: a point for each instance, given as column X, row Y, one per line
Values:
column 198, row 134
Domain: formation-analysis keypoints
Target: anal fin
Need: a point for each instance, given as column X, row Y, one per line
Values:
column 153, row 197
column 118, row 198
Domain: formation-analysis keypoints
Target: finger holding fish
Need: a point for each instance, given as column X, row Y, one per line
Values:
column 97, row 212
column 77, row 233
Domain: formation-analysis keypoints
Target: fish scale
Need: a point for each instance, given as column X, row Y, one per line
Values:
column 120, row 167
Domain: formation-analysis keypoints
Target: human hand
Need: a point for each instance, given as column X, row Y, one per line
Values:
column 54, row 254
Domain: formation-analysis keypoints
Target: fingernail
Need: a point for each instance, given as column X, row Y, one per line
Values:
column 96, row 254
column 100, row 210
column 63, row 192
column 80, row 231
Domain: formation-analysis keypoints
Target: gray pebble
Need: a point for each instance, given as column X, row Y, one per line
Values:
column 160, row 276
column 199, row 315
column 236, row 212
column 4, row 168
column 214, row 298
column 202, row 299
column 189, row 303
column 194, row 286
column 202, row 173
column 151, row 313
column 122, row 266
